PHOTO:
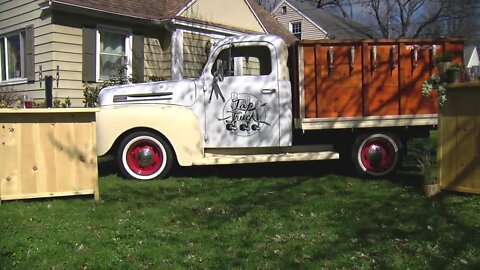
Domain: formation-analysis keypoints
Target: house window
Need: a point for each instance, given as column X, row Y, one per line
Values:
column 284, row 10
column 296, row 29
column 12, row 56
column 114, row 53
column 105, row 50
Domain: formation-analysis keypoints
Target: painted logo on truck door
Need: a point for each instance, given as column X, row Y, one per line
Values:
column 244, row 115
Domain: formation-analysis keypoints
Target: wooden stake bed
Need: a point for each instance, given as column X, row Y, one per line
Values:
column 364, row 78
column 47, row 153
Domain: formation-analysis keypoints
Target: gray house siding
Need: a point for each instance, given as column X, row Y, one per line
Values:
column 158, row 57
column 309, row 30
column 24, row 16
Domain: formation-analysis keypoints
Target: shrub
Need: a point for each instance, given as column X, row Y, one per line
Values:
column 91, row 91
column 56, row 103
column 65, row 104
column 8, row 97
column 90, row 95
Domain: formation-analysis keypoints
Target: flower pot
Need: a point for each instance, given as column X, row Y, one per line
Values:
column 431, row 189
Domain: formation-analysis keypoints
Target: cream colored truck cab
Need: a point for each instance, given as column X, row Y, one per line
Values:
column 238, row 111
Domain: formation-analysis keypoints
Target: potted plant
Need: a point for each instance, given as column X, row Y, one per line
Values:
column 454, row 73
column 435, row 84
column 428, row 168
column 443, row 61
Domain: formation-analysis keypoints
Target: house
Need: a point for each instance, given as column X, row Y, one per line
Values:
column 84, row 41
column 306, row 21
column 470, row 56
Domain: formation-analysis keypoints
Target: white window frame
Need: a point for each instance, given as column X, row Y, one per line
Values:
column 283, row 10
column 3, row 39
column 128, row 48
column 291, row 28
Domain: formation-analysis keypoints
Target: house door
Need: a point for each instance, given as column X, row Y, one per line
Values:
column 241, row 97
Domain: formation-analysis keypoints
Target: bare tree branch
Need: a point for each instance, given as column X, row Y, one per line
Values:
column 431, row 20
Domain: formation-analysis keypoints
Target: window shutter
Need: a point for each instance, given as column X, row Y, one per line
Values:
column 89, row 62
column 29, row 54
column 138, row 63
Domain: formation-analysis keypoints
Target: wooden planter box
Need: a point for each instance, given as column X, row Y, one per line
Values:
column 47, row 153
column 459, row 139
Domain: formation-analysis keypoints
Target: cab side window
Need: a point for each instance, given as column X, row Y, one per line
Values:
column 243, row 61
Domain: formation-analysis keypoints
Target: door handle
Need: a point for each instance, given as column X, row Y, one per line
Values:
column 268, row 91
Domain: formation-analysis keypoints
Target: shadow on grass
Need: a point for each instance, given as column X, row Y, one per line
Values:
column 279, row 169
column 376, row 223
column 108, row 166
column 365, row 223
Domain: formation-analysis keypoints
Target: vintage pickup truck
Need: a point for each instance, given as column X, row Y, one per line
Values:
column 258, row 100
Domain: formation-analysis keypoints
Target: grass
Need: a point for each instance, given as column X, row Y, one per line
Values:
column 296, row 215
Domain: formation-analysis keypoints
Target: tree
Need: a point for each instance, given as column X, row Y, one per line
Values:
column 406, row 18
column 268, row 4
column 461, row 19
column 344, row 7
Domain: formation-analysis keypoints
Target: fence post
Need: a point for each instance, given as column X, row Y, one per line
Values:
column 48, row 91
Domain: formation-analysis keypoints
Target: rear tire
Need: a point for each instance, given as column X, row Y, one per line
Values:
column 144, row 156
column 376, row 154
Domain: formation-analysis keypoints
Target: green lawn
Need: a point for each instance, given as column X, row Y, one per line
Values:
column 296, row 215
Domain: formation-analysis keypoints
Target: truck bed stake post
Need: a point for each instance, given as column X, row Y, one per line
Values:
column 330, row 59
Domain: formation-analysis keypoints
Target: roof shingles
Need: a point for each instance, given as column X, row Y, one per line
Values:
column 146, row 9
column 168, row 9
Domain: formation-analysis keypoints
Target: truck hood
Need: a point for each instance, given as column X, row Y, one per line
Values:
column 182, row 92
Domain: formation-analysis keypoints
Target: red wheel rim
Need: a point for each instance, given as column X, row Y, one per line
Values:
column 377, row 155
column 144, row 157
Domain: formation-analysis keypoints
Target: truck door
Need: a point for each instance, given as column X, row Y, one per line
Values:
column 241, row 97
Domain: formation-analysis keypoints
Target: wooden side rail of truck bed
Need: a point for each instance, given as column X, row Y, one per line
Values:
column 360, row 83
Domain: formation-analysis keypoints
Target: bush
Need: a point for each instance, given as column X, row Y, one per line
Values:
column 8, row 97
column 91, row 91
column 56, row 103
column 90, row 95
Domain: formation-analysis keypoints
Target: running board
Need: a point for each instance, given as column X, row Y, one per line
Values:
column 219, row 159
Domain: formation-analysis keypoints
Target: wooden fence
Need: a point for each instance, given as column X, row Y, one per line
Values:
column 47, row 153
column 459, row 139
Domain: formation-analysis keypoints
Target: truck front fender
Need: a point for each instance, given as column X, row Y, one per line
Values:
column 177, row 124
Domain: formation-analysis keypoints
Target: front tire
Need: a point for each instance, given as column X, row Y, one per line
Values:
column 144, row 156
column 377, row 154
